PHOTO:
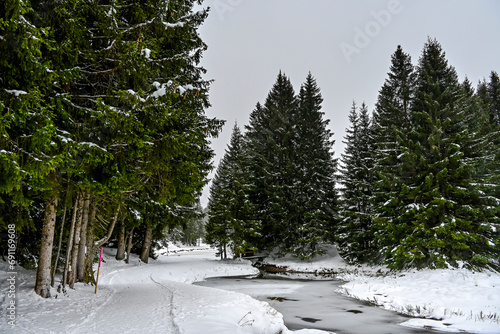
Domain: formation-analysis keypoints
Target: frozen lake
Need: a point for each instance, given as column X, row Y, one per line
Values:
column 307, row 303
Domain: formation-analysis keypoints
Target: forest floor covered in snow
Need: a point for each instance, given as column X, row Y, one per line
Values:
column 159, row 297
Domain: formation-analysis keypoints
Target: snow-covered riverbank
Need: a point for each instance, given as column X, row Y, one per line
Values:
column 452, row 300
column 159, row 298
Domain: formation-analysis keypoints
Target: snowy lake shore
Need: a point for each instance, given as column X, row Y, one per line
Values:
column 159, row 297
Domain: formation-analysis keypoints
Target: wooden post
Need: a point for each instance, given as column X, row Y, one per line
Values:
column 98, row 268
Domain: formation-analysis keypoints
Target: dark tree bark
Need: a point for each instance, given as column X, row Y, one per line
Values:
column 91, row 247
column 82, row 248
column 146, row 244
column 76, row 245
column 120, row 251
column 129, row 244
column 58, row 247
column 42, row 284
column 70, row 243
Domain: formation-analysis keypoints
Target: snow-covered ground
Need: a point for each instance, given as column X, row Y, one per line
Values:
column 452, row 300
column 447, row 300
column 144, row 298
column 159, row 298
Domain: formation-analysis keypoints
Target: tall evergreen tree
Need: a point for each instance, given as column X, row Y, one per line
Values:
column 33, row 141
column 292, row 169
column 230, row 212
column 101, row 99
column 494, row 94
column 356, row 230
column 315, row 196
column 391, row 125
column 270, row 137
column 218, row 225
column 443, row 217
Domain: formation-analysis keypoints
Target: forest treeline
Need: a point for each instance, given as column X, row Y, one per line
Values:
column 102, row 128
column 103, row 135
column 418, row 184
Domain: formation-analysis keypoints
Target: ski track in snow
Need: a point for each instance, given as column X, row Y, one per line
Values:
column 132, row 305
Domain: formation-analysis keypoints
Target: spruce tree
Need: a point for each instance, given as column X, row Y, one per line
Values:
column 230, row 212
column 494, row 94
column 489, row 162
column 356, row 230
column 443, row 213
column 391, row 124
column 291, row 169
column 315, row 196
column 33, row 142
column 270, row 136
column 217, row 227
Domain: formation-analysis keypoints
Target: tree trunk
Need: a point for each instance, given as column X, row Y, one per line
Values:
column 89, row 259
column 129, row 244
column 70, row 242
column 146, row 245
column 82, row 248
column 42, row 284
column 76, row 244
column 120, row 251
column 54, row 271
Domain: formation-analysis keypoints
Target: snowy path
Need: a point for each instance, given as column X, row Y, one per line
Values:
column 158, row 297
column 136, row 300
column 155, row 298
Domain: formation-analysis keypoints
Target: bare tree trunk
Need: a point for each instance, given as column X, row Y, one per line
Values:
column 82, row 248
column 120, row 251
column 70, row 242
column 42, row 284
column 129, row 244
column 146, row 245
column 58, row 247
column 89, row 259
column 76, row 244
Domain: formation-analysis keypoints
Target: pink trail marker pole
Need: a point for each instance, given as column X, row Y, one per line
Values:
column 98, row 268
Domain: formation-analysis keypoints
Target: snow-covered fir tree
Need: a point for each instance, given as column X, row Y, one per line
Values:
column 444, row 217
column 230, row 221
column 31, row 149
column 117, row 98
column 315, row 197
column 292, row 169
column 356, row 228
column 488, row 93
column 270, row 136
column 391, row 124
column 494, row 94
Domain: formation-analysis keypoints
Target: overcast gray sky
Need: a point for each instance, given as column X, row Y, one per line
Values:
column 347, row 46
